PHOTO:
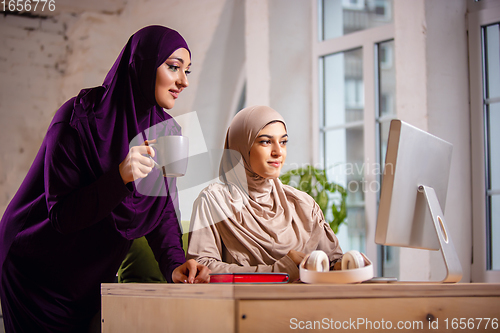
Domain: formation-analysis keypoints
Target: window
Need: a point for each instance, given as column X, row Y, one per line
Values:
column 342, row 17
column 354, row 80
column 484, row 63
column 341, row 130
column 491, row 70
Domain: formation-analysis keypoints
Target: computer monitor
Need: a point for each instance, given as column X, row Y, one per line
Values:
column 413, row 194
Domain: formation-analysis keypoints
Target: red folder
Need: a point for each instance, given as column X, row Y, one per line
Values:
column 249, row 278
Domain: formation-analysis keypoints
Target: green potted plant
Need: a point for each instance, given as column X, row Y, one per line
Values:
column 314, row 182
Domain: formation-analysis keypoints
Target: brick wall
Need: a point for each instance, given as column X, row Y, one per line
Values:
column 33, row 52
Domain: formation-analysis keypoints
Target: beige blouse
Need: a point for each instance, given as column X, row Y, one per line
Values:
column 220, row 239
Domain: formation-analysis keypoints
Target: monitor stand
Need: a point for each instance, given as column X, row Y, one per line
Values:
column 451, row 261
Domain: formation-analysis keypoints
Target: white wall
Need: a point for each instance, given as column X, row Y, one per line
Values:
column 33, row 61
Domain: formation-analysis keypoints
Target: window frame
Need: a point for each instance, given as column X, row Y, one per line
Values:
column 481, row 13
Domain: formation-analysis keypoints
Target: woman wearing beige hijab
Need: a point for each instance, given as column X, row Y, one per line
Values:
column 251, row 222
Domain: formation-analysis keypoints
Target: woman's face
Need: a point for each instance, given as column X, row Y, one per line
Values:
column 268, row 152
column 171, row 78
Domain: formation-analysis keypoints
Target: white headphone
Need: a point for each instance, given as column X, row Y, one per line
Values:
column 355, row 268
column 352, row 259
column 318, row 261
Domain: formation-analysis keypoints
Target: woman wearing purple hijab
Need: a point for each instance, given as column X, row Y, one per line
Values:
column 92, row 189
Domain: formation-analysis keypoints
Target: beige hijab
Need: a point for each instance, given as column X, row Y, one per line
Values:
column 258, row 220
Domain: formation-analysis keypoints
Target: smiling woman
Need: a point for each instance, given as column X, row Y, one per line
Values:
column 251, row 222
column 268, row 152
column 171, row 78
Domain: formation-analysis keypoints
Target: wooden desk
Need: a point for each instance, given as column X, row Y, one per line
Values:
column 396, row 307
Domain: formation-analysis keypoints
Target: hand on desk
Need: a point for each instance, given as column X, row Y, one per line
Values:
column 191, row 272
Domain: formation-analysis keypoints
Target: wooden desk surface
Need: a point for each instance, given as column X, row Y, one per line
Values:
column 301, row 290
column 426, row 307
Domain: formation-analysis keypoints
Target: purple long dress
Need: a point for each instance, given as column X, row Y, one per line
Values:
column 72, row 221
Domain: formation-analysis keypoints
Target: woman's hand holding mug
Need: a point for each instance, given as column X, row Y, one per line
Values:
column 137, row 164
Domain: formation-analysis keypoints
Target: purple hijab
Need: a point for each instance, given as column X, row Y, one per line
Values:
column 71, row 222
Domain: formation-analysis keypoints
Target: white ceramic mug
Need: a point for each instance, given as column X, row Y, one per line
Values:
column 172, row 154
